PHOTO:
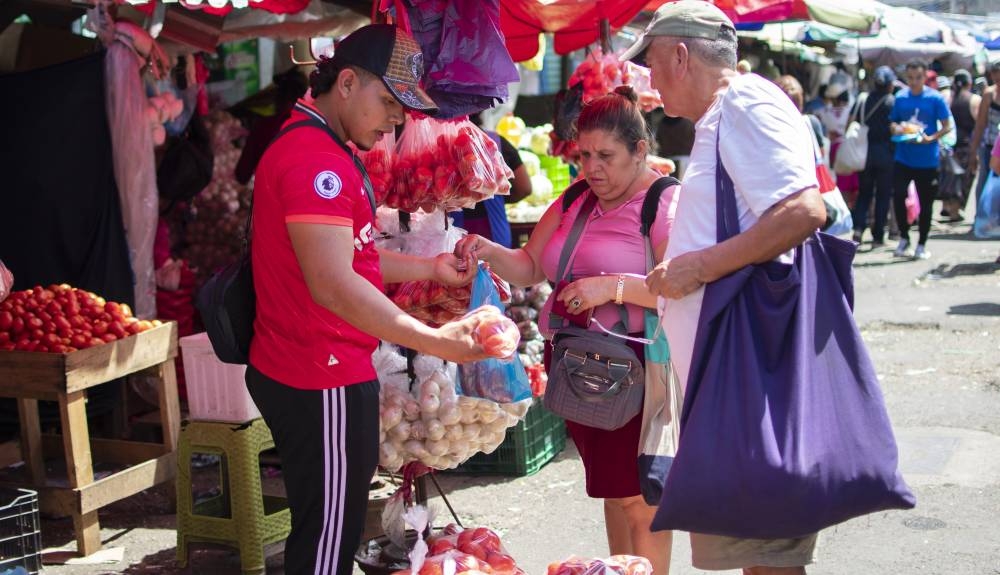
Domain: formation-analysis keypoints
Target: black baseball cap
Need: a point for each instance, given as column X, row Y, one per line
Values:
column 392, row 55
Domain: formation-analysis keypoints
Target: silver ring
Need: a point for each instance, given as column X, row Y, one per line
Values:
column 576, row 302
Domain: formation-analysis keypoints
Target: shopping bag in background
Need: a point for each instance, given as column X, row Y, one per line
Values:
column 912, row 204
column 661, row 414
column 500, row 380
column 987, row 210
column 6, row 282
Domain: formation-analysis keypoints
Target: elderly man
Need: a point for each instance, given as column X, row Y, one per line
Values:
column 690, row 47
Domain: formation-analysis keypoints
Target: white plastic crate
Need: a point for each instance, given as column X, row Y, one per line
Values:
column 216, row 391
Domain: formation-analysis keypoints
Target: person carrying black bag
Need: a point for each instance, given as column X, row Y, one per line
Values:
column 321, row 309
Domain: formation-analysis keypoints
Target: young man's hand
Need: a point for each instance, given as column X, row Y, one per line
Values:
column 451, row 270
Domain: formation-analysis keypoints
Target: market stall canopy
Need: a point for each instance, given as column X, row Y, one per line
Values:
column 574, row 23
column 907, row 34
column 859, row 15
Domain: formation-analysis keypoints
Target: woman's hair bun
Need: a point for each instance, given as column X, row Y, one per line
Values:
column 627, row 92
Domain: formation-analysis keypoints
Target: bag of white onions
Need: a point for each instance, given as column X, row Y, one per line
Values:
column 424, row 418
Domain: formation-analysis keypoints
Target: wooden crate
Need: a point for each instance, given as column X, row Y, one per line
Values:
column 46, row 374
column 65, row 378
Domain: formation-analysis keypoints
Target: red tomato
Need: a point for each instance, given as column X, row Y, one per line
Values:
column 502, row 564
column 77, row 321
column 118, row 330
column 51, row 339
column 96, row 341
column 108, row 337
column 79, row 341
column 487, row 538
column 54, row 308
column 17, row 325
column 62, row 323
column 4, row 337
column 100, row 328
column 6, row 320
column 37, row 334
column 34, row 322
column 439, row 546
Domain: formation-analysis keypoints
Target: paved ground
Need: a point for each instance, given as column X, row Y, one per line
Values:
column 933, row 328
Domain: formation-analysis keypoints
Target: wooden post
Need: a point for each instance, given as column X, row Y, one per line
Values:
column 31, row 440
column 170, row 416
column 79, row 466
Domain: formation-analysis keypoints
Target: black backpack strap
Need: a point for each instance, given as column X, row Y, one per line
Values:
column 574, row 191
column 648, row 215
column 652, row 201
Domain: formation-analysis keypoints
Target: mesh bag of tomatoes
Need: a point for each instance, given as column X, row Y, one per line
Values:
column 600, row 73
column 379, row 162
column 457, row 550
column 446, row 164
column 614, row 565
column 63, row 319
column 436, row 304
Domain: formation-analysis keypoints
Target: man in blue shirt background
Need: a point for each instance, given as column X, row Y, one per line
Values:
column 918, row 153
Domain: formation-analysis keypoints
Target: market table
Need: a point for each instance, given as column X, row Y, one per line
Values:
column 65, row 378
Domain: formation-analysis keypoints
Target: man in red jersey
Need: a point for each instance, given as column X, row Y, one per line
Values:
column 321, row 309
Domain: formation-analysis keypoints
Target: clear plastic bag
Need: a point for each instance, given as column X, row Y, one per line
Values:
column 446, row 165
column 599, row 74
column 380, row 162
column 500, row 380
column 423, row 418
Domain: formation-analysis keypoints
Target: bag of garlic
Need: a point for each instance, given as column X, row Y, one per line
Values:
column 423, row 418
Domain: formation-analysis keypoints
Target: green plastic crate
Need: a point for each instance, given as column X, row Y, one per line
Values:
column 529, row 445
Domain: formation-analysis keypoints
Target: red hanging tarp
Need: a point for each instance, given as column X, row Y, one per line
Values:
column 575, row 23
column 755, row 11
column 273, row 6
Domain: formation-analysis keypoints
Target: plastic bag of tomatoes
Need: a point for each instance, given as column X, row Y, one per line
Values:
column 380, row 162
column 599, row 73
column 501, row 378
column 446, row 164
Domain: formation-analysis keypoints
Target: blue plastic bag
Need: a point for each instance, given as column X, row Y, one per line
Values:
column 988, row 210
column 499, row 380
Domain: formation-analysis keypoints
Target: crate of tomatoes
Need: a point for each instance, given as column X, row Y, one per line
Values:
column 64, row 334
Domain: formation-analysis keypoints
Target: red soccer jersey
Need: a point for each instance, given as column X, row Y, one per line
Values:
column 305, row 176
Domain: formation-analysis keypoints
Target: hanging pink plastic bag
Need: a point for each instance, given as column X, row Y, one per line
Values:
column 641, row 81
column 6, row 282
column 599, row 73
column 912, row 204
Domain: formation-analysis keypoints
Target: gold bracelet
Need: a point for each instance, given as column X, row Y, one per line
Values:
column 620, row 290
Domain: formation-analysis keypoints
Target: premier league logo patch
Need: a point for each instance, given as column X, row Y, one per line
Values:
column 327, row 185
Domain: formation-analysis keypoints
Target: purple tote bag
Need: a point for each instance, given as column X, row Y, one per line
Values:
column 784, row 431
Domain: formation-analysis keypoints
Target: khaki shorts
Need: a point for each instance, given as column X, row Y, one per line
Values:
column 718, row 553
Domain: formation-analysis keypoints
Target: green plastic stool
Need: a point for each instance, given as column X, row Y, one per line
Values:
column 240, row 517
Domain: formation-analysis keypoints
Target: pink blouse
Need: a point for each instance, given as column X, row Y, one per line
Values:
column 610, row 243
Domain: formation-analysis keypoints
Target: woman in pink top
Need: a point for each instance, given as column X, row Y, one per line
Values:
column 613, row 141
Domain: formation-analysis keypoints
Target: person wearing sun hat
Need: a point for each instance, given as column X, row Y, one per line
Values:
column 690, row 47
column 321, row 307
